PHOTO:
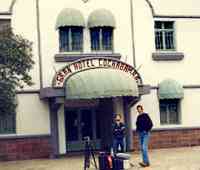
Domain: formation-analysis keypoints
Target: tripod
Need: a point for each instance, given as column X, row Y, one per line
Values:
column 88, row 152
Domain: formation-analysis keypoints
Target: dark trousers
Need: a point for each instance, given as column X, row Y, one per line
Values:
column 118, row 142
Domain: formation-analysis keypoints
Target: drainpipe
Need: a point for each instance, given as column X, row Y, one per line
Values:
column 132, row 32
column 39, row 43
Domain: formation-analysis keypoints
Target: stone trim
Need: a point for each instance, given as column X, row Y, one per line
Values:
column 28, row 91
column 5, row 13
column 174, row 129
column 50, row 92
column 67, row 57
column 178, row 16
column 4, row 137
column 184, row 86
column 144, row 89
column 167, row 56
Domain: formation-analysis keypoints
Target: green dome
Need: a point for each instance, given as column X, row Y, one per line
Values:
column 100, row 83
column 101, row 18
column 70, row 17
column 170, row 89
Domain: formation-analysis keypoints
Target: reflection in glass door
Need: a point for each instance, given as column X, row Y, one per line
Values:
column 80, row 123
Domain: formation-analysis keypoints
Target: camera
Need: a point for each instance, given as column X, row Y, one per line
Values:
column 86, row 138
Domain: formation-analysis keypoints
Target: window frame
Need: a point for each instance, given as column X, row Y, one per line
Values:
column 163, row 32
column 100, row 43
column 167, row 104
column 5, row 118
column 69, row 48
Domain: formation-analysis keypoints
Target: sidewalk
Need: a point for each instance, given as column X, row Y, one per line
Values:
column 164, row 159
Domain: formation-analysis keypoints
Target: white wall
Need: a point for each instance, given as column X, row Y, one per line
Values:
column 31, row 109
column 176, row 7
column 24, row 24
column 49, row 36
column 187, row 34
column 32, row 115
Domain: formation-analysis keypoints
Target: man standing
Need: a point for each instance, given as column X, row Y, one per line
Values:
column 118, row 134
column 143, row 127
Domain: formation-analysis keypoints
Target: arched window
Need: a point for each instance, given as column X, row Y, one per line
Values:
column 101, row 23
column 70, row 24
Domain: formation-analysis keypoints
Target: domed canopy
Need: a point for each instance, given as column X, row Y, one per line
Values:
column 100, row 83
column 101, row 18
column 170, row 89
column 70, row 17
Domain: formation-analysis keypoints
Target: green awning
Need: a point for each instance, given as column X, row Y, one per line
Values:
column 170, row 89
column 100, row 83
column 101, row 18
column 70, row 17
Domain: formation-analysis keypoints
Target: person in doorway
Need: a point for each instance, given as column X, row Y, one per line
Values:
column 143, row 127
column 118, row 134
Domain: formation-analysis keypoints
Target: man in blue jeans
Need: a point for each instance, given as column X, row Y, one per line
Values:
column 143, row 126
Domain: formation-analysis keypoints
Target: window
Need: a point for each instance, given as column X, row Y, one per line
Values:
column 101, row 38
column 7, row 123
column 169, row 111
column 71, row 39
column 164, row 35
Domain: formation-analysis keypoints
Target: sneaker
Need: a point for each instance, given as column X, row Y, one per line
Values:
column 144, row 164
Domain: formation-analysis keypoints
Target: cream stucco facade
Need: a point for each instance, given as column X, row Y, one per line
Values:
column 133, row 38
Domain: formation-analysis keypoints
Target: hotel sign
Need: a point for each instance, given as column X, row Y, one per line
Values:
column 93, row 63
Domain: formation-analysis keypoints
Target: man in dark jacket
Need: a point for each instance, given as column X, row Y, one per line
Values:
column 143, row 126
column 118, row 134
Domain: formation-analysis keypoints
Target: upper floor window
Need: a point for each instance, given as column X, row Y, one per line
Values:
column 70, row 39
column 70, row 23
column 101, row 38
column 164, row 35
column 101, row 23
column 169, row 111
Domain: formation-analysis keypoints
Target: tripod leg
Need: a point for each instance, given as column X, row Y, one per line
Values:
column 87, row 158
column 93, row 156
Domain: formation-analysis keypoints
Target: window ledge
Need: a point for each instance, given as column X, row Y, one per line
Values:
column 167, row 56
column 70, row 57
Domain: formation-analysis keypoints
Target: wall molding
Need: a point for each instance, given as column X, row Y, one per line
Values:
column 169, row 56
column 151, row 7
column 28, row 92
column 67, row 57
column 174, row 128
column 4, row 137
column 178, row 16
column 155, row 15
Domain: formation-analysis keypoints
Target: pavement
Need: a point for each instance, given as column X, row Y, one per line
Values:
column 187, row 158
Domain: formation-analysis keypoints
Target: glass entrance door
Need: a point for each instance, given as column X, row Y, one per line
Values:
column 80, row 123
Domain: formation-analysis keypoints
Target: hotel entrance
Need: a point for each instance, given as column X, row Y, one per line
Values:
column 81, row 123
column 94, row 122
column 91, row 90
